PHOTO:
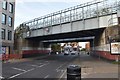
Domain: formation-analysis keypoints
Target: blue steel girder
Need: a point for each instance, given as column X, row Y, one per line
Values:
column 79, row 12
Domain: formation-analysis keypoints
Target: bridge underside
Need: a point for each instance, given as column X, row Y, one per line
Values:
column 79, row 36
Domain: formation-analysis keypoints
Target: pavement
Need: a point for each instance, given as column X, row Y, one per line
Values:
column 96, row 69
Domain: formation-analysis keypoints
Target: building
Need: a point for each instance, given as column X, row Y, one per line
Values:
column 87, row 46
column 7, row 25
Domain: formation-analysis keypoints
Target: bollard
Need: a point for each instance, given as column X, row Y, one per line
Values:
column 73, row 72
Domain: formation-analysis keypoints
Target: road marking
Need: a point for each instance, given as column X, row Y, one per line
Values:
column 62, row 75
column 43, row 65
column 1, row 77
column 60, row 66
column 38, row 65
column 18, row 69
column 35, row 65
column 46, row 76
column 21, row 73
column 26, row 71
column 60, row 70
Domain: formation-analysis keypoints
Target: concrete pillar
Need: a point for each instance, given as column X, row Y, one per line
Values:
column 102, row 45
column 31, row 46
column 47, row 47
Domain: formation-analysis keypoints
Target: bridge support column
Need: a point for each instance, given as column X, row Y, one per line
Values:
column 102, row 45
column 31, row 47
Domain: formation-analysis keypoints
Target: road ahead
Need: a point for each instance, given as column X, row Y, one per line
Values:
column 52, row 66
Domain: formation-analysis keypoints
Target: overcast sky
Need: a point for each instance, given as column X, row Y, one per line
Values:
column 30, row 9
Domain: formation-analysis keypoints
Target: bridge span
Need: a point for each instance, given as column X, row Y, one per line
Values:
column 97, row 22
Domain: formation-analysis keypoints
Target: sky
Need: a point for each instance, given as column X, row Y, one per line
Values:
column 30, row 9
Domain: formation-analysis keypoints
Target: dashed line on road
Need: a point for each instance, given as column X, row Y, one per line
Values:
column 46, row 76
column 18, row 69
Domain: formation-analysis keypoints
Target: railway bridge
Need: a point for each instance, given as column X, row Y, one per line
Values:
column 97, row 22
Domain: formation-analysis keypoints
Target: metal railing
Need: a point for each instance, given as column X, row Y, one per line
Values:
column 80, row 12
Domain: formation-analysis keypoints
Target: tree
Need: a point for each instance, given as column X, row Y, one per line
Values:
column 56, row 47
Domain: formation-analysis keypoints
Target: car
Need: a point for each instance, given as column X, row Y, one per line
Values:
column 73, row 52
column 66, row 53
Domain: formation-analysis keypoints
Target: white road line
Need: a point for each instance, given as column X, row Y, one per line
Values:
column 43, row 65
column 1, row 77
column 18, row 69
column 21, row 73
column 60, row 66
column 35, row 65
column 46, row 76
column 60, row 70
column 26, row 71
column 62, row 75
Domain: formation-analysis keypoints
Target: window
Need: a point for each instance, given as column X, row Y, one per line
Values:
column 11, row 8
column 3, row 18
column 9, row 21
column 9, row 35
column 3, row 33
column 4, row 5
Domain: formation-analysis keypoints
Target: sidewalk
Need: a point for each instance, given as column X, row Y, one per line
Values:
column 25, row 59
column 96, row 68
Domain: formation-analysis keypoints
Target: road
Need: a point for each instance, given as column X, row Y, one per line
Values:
column 54, row 67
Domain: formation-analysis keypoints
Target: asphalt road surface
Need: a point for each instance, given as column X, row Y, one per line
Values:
column 52, row 66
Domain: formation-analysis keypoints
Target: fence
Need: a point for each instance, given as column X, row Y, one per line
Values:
column 10, row 56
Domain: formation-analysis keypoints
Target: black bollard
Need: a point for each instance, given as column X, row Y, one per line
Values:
column 73, row 72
